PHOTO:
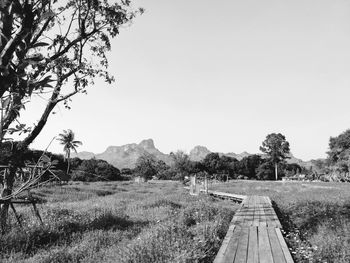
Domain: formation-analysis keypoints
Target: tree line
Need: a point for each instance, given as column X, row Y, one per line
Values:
column 214, row 165
column 272, row 165
column 336, row 167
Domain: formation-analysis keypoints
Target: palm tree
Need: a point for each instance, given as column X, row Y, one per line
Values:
column 67, row 139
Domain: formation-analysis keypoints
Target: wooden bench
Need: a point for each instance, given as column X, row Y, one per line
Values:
column 254, row 234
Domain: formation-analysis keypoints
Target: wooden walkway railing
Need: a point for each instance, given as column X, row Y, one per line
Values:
column 254, row 235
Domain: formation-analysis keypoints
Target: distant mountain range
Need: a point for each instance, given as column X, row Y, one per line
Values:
column 125, row 156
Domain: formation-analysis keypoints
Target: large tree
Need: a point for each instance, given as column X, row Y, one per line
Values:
column 146, row 166
column 54, row 49
column 181, row 164
column 339, row 147
column 277, row 149
column 223, row 166
column 67, row 139
column 339, row 153
column 249, row 164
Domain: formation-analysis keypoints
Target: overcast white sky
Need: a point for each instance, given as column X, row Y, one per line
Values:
column 222, row 74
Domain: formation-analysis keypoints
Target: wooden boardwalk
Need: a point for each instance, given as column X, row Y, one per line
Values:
column 254, row 235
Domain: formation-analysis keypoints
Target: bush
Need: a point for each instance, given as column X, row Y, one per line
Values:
column 96, row 170
column 265, row 171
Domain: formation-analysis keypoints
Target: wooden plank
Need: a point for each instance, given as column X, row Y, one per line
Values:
column 238, row 217
column 253, row 255
column 286, row 253
column 276, row 249
column 271, row 217
column 262, row 221
column 262, row 217
column 254, row 235
column 232, row 246
column 268, row 218
column 250, row 216
column 266, row 200
column 239, row 197
column 242, row 249
column 244, row 212
column 259, row 200
column 250, row 211
column 253, row 200
column 256, row 215
column 265, row 254
column 223, row 249
column 275, row 219
column 246, row 201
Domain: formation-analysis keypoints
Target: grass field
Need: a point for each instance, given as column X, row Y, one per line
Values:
column 315, row 215
column 118, row 222
column 161, row 222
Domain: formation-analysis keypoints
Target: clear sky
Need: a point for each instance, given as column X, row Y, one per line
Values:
column 222, row 74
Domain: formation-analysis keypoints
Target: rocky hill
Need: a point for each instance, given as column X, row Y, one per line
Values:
column 198, row 153
column 125, row 156
column 238, row 156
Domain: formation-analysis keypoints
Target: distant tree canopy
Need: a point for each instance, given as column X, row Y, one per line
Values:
column 212, row 163
column 265, row 171
column 29, row 156
column 95, row 170
column 220, row 166
column 277, row 149
column 339, row 154
column 182, row 165
column 292, row 169
column 248, row 165
column 146, row 166
column 339, row 147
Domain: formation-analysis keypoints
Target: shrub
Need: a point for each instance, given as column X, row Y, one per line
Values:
column 96, row 170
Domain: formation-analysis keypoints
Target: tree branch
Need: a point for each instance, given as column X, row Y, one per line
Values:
column 10, row 46
column 44, row 117
column 68, row 95
column 74, row 42
column 42, row 30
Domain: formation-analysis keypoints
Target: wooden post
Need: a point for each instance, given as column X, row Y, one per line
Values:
column 197, row 188
column 206, row 186
column 37, row 212
column 193, row 182
column 16, row 215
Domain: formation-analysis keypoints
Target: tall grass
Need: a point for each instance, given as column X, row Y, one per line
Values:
column 151, row 222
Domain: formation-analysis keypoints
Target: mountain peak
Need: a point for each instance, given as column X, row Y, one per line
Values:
column 147, row 144
column 198, row 153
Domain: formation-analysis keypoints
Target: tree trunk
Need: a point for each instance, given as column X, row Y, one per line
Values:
column 1, row 119
column 276, row 171
column 68, row 162
column 9, row 179
column 15, row 161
